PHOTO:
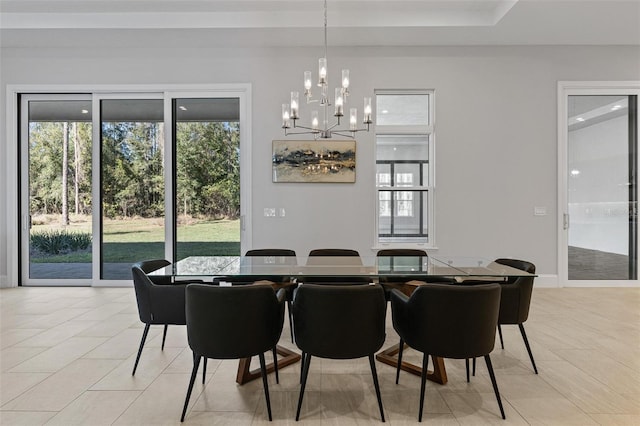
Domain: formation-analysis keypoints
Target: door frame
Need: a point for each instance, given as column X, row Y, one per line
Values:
column 14, row 169
column 566, row 89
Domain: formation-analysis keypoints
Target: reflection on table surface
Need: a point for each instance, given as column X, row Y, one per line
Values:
column 363, row 266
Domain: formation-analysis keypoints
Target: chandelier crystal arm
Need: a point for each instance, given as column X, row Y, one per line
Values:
column 343, row 135
column 288, row 133
column 304, row 127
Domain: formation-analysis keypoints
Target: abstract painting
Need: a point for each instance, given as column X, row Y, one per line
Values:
column 314, row 161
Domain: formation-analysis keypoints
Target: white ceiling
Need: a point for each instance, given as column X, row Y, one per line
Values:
column 200, row 23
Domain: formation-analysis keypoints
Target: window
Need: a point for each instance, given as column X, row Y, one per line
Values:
column 404, row 167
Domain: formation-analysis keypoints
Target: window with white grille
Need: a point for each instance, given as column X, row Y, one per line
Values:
column 404, row 166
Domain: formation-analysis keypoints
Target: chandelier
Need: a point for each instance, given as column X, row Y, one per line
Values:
column 324, row 130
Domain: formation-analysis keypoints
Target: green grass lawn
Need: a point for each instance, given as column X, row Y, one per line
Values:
column 131, row 240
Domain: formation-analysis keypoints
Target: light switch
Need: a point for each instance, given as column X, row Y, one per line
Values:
column 539, row 211
column 281, row 212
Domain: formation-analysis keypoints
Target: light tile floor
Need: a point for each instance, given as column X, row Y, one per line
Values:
column 66, row 356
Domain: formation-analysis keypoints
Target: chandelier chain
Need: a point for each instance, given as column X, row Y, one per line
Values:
column 325, row 28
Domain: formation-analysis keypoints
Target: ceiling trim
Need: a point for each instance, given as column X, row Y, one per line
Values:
column 140, row 14
column 299, row 23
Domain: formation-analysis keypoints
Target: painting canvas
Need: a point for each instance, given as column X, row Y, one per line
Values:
column 314, row 161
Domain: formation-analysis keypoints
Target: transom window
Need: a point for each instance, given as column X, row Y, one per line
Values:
column 404, row 167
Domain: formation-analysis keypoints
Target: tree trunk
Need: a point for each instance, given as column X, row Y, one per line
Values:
column 77, row 166
column 161, row 140
column 65, row 173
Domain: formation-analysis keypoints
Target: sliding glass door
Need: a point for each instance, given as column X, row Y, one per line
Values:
column 110, row 179
column 57, row 202
column 599, row 222
column 207, row 176
column 132, row 184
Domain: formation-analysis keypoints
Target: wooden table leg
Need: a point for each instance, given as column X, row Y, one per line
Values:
column 246, row 375
column 390, row 356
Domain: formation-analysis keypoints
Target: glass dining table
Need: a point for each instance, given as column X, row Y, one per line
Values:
column 412, row 270
column 374, row 267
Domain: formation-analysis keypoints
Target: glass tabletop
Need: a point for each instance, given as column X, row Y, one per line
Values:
column 413, row 267
column 480, row 267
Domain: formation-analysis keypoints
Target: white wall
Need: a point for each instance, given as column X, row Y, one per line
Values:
column 495, row 132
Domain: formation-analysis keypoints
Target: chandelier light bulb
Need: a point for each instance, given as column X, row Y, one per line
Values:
column 367, row 111
column 353, row 119
column 339, row 102
column 286, row 123
column 322, row 71
column 345, row 78
column 295, row 98
column 314, row 120
column 307, row 83
column 345, row 83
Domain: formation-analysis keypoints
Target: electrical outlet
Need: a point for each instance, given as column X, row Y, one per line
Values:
column 269, row 212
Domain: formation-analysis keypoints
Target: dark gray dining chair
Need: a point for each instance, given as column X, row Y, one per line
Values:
column 278, row 280
column 405, row 254
column 250, row 279
column 334, row 252
column 339, row 322
column 271, row 252
column 389, row 283
column 352, row 257
column 448, row 321
column 159, row 301
column 281, row 280
column 515, row 302
column 232, row 323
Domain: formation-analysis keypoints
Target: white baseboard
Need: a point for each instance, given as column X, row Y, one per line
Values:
column 114, row 284
column 553, row 281
column 4, row 282
column 603, row 283
column 546, row 281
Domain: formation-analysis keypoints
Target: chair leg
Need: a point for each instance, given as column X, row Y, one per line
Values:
column 204, row 370
column 372, row 362
column 275, row 364
column 265, row 383
column 194, row 372
column 526, row 343
column 164, row 335
column 466, row 364
column 423, row 382
column 400, row 347
column 302, row 360
column 305, row 373
column 144, row 337
column 290, row 318
column 500, row 334
column 474, row 366
column 487, row 359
